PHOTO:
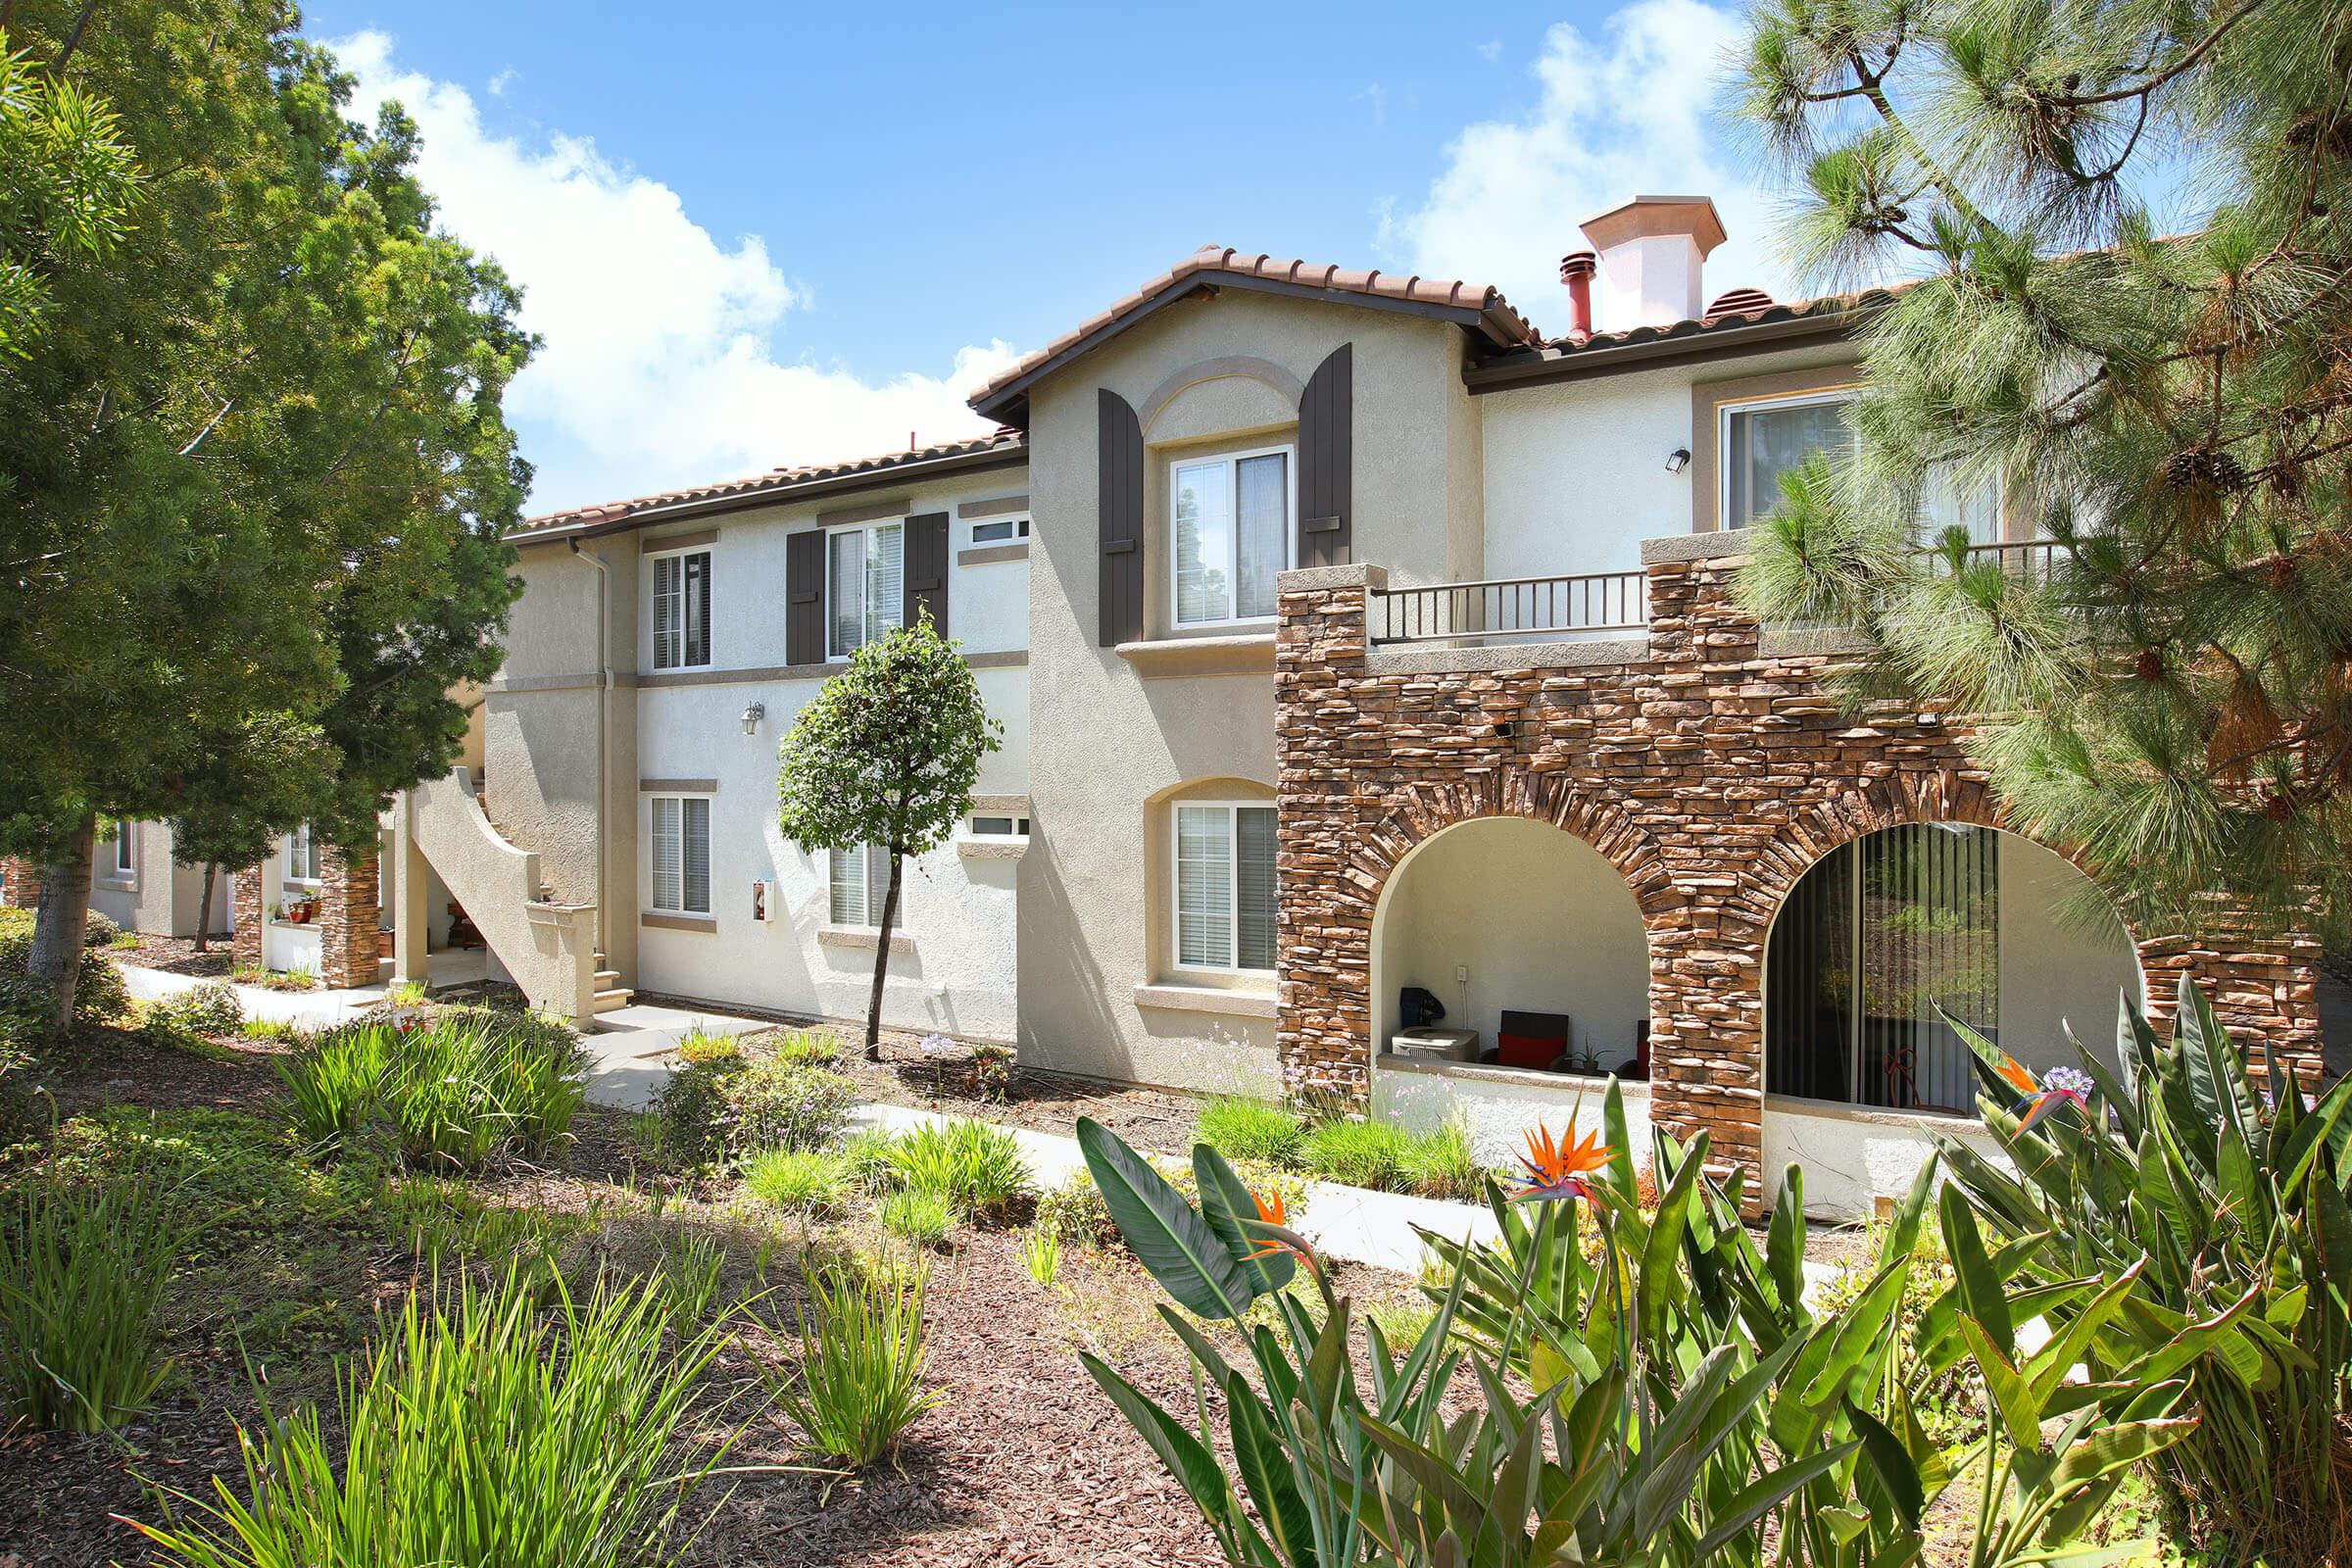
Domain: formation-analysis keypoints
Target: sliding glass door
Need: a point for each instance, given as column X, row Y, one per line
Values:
column 1873, row 941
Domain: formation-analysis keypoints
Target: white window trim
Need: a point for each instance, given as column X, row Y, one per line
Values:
column 1233, row 893
column 1290, row 534
column 869, row 527
column 307, row 838
column 1723, row 434
column 126, row 847
column 877, row 892
column 652, row 903
column 1019, row 524
column 1018, row 820
column 710, row 615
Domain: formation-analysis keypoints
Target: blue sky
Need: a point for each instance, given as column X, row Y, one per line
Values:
column 783, row 234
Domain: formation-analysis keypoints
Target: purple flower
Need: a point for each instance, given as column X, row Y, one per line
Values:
column 936, row 1044
column 2068, row 1080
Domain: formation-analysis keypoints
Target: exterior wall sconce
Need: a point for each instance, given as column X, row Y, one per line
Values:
column 1678, row 460
column 752, row 716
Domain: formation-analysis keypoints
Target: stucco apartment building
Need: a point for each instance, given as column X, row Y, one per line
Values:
column 1349, row 635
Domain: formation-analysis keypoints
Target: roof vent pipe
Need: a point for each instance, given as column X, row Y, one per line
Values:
column 1576, row 271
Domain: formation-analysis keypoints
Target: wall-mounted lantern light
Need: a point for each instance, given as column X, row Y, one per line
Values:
column 752, row 716
column 1678, row 460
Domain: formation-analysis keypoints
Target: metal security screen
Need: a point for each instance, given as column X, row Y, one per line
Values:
column 1874, row 938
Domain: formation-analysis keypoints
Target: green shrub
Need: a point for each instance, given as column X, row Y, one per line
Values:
column 99, row 995
column 196, row 1014
column 992, row 1071
column 100, row 931
column 86, row 1257
column 799, row 1181
column 1241, row 1128
column 786, row 1105
column 1356, row 1154
column 977, row 1168
column 862, row 1348
column 921, row 1217
column 1441, row 1164
column 485, row 1432
column 696, row 1118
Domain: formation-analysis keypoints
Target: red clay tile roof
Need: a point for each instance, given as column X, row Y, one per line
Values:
column 1504, row 326
column 1003, row 439
column 1827, row 315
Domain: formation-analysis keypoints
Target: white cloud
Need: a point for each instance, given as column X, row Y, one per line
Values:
column 1490, row 51
column 1631, row 113
column 503, row 80
column 659, row 365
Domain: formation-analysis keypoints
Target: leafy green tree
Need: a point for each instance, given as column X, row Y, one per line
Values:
column 253, row 468
column 887, row 756
column 244, row 794
column 68, row 187
column 2169, row 684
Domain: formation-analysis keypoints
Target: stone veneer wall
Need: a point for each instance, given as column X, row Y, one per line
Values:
column 1711, row 768
column 251, row 910
column 350, row 952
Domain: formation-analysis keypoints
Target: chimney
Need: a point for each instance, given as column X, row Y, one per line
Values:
column 1651, row 251
column 1576, row 271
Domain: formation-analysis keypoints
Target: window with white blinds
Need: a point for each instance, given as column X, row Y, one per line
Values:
column 681, row 855
column 1224, row 886
column 681, row 611
column 302, row 854
column 865, row 586
column 861, row 881
column 1229, row 524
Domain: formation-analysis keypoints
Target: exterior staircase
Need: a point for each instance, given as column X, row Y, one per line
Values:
column 549, row 948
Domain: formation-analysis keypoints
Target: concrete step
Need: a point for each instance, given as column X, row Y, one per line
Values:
column 607, row 979
column 608, row 1000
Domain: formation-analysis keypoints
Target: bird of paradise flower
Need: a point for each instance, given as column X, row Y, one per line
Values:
column 1556, row 1170
column 2061, row 1086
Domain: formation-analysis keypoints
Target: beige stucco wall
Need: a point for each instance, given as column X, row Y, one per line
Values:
column 159, row 896
column 1108, row 742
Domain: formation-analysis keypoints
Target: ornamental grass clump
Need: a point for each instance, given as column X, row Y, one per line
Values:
column 483, row 1431
column 923, row 1219
column 1241, row 1128
column 84, row 1263
column 863, row 1346
column 810, row 1182
column 1442, row 1164
column 333, row 1082
column 455, row 1092
column 976, row 1168
column 1355, row 1153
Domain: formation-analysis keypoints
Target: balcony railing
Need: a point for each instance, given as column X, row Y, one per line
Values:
column 2034, row 559
column 1512, row 606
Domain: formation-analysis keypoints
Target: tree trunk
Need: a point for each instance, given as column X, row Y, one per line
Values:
column 204, row 907
column 56, row 961
column 890, row 917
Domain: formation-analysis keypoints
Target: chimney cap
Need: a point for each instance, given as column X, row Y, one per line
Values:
column 1646, row 216
column 1577, row 264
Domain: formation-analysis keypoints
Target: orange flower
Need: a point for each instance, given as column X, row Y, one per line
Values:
column 1558, row 1170
column 1270, row 1212
column 2016, row 1077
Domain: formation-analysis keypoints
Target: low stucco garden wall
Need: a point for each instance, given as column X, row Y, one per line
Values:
column 1499, row 1106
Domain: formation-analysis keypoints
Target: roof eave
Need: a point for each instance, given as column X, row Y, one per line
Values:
column 995, row 457
column 1538, row 366
column 1008, row 404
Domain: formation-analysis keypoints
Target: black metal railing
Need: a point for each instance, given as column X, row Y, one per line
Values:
column 1512, row 606
column 2034, row 559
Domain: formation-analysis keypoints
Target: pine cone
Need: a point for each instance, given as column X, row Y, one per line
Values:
column 2201, row 469
column 2149, row 665
column 2278, row 805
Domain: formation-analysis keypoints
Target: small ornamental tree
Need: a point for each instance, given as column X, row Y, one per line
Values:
column 887, row 756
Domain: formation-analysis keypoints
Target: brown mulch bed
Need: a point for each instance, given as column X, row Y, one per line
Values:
column 177, row 955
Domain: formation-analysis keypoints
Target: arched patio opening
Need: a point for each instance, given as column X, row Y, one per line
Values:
column 1886, row 934
column 1513, row 920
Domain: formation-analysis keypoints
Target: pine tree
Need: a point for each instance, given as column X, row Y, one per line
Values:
column 2168, row 687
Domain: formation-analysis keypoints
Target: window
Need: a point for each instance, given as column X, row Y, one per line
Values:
column 865, row 586
column 1002, row 531
column 681, row 855
column 1763, row 440
column 125, row 849
column 1231, row 523
column 302, row 854
column 1224, row 886
column 682, row 611
column 860, row 882
column 998, row 826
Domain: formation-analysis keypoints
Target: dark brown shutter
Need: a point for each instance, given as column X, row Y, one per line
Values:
column 804, row 597
column 1121, row 512
column 926, row 564
column 1326, row 452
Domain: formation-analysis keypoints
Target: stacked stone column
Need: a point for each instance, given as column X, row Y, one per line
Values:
column 1710, row 765
column 350, row 952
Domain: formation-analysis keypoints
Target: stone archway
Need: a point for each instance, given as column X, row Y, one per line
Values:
column 1327, row 950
